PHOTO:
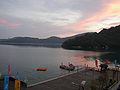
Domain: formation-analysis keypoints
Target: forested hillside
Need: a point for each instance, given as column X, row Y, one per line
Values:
column 106, row 39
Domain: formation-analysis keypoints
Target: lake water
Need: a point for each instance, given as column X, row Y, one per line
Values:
column 25, row 60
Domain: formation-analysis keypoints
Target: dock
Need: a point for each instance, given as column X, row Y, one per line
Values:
column 70, row 81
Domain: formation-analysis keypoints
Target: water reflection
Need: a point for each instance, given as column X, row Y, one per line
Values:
column 25, row 60
column 111, row 57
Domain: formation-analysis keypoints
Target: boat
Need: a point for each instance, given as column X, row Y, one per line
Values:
column 41, row 69
column 71, row 67
column 63, row 67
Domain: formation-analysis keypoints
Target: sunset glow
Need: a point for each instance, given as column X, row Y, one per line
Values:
column 6, row 23
column 106, row 17
column 59, row 18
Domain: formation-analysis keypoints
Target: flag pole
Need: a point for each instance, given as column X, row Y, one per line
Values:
column 9, row 70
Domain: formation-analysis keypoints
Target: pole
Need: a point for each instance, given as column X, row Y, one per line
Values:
column 79, row 87
column 82, row 87
column 9, row 70
column 117, row 74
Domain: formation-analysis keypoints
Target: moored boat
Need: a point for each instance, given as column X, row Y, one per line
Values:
column 71, row 67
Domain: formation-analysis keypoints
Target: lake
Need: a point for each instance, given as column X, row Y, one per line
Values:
column 25, row 60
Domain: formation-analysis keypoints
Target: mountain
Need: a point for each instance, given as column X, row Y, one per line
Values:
column 29, row 41
column 33, row 40
column 106, row 39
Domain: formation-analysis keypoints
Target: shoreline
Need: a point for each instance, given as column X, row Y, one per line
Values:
column 96, row 50
column 57, row 77
column 64, row 82
column 72, row 81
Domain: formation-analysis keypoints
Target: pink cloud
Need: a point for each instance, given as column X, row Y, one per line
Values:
column 8, row 23
column 117, row 23
column 67, row 34
column 109, row 9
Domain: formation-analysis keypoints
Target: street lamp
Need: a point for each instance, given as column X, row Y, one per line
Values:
column 82, row 85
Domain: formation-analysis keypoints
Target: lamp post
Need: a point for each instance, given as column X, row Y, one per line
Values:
column 117, row 69
column 82, row 85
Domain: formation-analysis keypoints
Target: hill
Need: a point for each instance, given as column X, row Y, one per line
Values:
column 29, row 41
column 106, row 39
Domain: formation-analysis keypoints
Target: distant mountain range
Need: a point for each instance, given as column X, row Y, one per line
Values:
column 29, row 41
column 106, row 39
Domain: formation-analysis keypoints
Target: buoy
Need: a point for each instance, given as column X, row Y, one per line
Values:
column 41, row 69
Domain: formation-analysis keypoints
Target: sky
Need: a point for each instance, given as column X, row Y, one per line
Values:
column 62, row 18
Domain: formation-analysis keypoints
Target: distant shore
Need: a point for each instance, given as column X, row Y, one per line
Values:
column 55, row 45
column 97, row 50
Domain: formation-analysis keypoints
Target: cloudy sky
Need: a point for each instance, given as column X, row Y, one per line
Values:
column 45, row 18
